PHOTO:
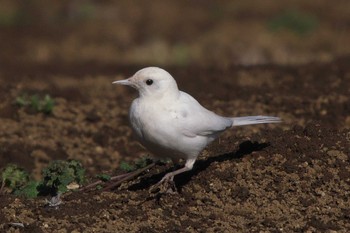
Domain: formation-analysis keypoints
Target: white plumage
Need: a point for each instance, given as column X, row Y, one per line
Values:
column 171, row 123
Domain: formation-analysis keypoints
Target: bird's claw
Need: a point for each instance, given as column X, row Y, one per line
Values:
column 165, row 185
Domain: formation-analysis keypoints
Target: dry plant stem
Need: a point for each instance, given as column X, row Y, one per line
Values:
column 129, row 176
column 121, row 178
column 2, row 186
column 16, row 224
column 92, row 185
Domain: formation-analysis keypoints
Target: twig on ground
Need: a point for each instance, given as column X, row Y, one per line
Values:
column 16, row 224
column 119, row 179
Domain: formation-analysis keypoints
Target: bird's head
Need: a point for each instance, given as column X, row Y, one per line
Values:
column 152, row 82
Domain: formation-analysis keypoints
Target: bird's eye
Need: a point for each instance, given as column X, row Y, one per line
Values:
column 149, row 82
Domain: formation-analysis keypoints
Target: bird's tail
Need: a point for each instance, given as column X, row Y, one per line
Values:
column 252, row 120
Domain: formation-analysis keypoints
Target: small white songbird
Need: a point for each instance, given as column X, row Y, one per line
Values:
column 171, row 123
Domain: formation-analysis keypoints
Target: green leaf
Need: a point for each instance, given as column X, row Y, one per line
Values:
column 126, row 166
column 59, row 174
column 62, row 188
column 47, row 104
column 139, row 163
column 29, row 191
column 21, row 101
column 35, row 103
column 104, row 177
column 142, row 162
column 295, row 21
column 14, row 177
column 44, row 105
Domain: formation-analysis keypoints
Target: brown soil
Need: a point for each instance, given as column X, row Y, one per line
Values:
column 288, row 177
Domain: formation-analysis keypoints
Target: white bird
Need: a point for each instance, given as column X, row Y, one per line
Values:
column 171, row 123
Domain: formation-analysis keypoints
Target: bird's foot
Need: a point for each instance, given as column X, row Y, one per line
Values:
column 165, row 185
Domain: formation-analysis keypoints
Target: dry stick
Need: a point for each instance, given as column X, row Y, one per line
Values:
column 2, row 186
column 100, row 181
column 123, row 177
column 132, row 174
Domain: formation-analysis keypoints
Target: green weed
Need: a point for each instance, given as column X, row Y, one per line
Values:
column 139, row 163
column 128, row 167
column 56, row 177
column 59, row 174
column 13, row 18
column 13, row 177
column 103, row 177
column 295, row 21
column 34, row 102
column 30, row 190
column 181, row 54
column 86, row 11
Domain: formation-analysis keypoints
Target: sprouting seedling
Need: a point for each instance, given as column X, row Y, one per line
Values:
column 44, row 105
column 57, row 179
column 125, row 166
column 139, row 163
column 295, row 21
column 104, row 177
column 59, row 174
column 13, row 177
column 17, row 181
column 30, row 190
column 47, row 104
column 22, row 101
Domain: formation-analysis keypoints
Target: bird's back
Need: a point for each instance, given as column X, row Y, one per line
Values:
column 200, row 121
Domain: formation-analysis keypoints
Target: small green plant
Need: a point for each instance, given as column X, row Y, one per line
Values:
column 13, row 18
column 17, row 181
column 86, row 11
column 125, row 166
column 181, row 54
column 139, row 163
column 59, row 174
column 295, row 21
column 56, row 178
column 30, row 190
column 34, row 102
column 13, row 178
column 104, row 177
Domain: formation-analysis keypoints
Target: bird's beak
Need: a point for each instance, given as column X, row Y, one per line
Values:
column 123, row 82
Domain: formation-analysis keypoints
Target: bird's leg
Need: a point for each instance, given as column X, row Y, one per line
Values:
column 169, row 177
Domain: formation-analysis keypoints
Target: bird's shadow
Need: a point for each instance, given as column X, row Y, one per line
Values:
column 245, row 148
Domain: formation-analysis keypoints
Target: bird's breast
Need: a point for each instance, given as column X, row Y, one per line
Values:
column 148, row 121
column 156, row 126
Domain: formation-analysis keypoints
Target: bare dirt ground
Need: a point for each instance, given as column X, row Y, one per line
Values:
column 289, row 177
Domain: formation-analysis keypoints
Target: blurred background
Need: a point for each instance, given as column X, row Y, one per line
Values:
column 176, row 33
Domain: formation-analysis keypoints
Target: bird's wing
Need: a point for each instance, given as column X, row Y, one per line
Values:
column 195, row 120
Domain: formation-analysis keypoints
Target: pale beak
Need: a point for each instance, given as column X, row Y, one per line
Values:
column 123, row 82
